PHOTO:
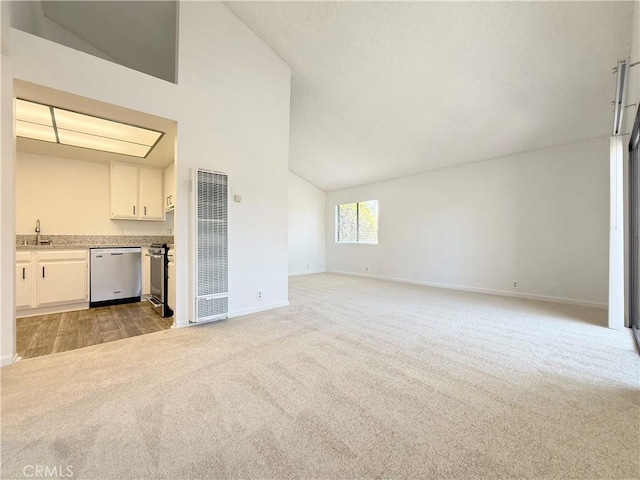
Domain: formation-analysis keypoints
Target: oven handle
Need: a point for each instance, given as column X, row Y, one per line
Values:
column 154, row 256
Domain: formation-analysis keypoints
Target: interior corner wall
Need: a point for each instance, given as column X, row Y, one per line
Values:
column 539, row 219
column 307, row 227
column 232, row 110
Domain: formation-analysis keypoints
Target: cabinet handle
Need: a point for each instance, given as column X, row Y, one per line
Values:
column 24, row 273
column 42, row 272
column 168, row 200
column 145, row 210
column 134, row 209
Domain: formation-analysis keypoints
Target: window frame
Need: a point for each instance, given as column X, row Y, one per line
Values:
column 337, row 223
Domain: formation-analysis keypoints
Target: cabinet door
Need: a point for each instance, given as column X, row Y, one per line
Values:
column 62, row 282
column 151, row 204
column 169, row 189
column 124, row 191
column 24, row 285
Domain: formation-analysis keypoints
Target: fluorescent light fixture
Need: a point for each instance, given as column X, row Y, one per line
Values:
column 53, row 124
column 33, row 130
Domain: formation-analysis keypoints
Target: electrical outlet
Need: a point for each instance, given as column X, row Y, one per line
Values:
column 259, row 295
column 170, row 231
column 124, row 230
column 307, row 266
column 366, row 269
column 515, row 284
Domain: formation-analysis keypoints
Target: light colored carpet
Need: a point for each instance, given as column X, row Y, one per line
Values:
column 358, row 378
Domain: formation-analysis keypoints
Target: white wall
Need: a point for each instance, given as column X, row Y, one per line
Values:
column 538, row 218
column 7, row 209
column 232, row 109
column 235, row 98
column 70, row 197
column 29, row 17
column 307, row 227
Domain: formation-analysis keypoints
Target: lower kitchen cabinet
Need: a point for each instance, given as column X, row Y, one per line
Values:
column 51, row 278
column 62, row 282
column 24, row 284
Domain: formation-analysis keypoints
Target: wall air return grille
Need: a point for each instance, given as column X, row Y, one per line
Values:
column 211, row 212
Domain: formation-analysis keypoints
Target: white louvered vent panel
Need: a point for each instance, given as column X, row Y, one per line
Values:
column 212, row 307
column 212, row 245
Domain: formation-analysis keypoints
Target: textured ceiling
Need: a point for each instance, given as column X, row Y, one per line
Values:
column 382, row 90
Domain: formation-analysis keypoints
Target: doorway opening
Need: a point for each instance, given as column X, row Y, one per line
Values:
column 73, row 204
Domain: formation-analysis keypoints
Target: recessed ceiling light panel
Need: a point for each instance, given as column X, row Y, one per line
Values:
column 35, row 131
column 53, row 124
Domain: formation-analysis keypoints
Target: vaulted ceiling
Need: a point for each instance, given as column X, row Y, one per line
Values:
column 387, row 89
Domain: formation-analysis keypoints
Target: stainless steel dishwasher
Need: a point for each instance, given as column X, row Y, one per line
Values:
column 116, row 276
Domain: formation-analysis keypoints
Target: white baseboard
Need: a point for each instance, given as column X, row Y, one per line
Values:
column 8, row 360
column 261, row 308
column 306, row 272
column 237, row 313
column 488, row 291
column 32, row 312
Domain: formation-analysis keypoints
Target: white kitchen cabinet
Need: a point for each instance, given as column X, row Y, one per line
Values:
column 150, row 196
column 169, row 188
column 124, row 191
column 24, row 281
column 136, row 192
column 62, row 277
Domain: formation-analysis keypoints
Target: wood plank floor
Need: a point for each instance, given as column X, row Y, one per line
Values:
column 59, row 332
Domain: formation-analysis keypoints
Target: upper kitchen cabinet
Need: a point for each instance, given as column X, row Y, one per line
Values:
column 136, row 192
column 124, row 191
column 150, row 194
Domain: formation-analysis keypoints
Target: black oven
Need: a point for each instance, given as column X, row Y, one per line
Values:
column 159, row 299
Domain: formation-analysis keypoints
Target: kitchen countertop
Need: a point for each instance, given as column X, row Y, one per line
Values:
column 82, row 242
column 71, row 247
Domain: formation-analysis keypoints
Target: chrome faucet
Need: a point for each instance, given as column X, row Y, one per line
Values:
column 38, row 232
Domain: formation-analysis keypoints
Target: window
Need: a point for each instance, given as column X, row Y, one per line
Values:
column 357, row 222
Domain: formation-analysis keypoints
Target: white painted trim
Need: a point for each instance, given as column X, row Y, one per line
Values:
column 70, row 307
column 488, row 291
column 261, row 308
column 306, row 272
column 616, row 233
column 6, row 360
column 236, row 313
